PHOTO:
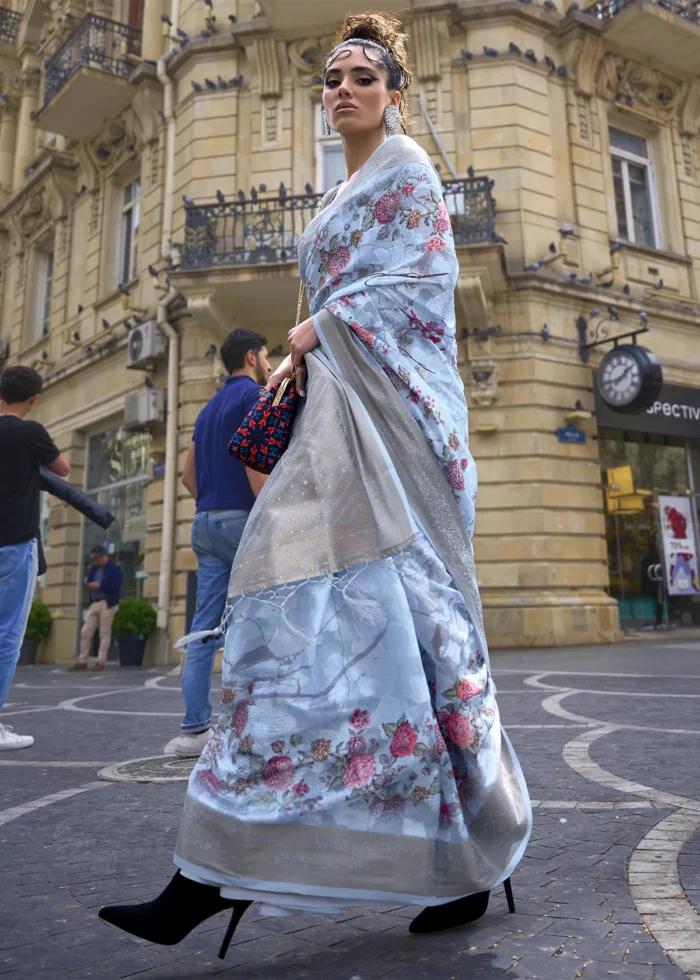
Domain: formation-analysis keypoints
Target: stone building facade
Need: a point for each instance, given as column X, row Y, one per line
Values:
column 184, row 138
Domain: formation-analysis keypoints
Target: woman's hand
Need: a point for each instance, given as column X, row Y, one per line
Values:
column 282, row 372
column 302, row 340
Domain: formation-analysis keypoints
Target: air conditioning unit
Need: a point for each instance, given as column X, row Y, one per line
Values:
column 144, row 408
column 146, row 343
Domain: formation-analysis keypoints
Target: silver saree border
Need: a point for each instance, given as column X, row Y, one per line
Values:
column 327, row 858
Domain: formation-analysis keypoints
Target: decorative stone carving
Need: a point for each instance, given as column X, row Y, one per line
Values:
column 639, row 86
column 308, row 56
column 690, row 113
column 483, row 383
column 583, row 115
column 34, row 213
column 114, row 143
column 688, row 156
column 582, row 56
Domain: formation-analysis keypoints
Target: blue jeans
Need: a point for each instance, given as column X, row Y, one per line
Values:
column 216, row 535
column 18, row 568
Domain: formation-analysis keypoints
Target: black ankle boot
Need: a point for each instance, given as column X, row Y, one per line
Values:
column 436, row 918
column 175, row 912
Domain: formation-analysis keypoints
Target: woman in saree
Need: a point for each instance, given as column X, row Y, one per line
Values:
column 359, row 757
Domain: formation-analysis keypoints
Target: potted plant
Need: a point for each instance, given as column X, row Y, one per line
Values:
column 134, row 620
column 38, row 625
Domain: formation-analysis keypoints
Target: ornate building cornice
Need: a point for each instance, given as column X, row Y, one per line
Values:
column 44, row 199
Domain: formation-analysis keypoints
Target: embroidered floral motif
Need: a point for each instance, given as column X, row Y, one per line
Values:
column 359, row 719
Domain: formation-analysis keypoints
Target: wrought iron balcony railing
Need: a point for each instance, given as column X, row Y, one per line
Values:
column 607, row 9
column 98, row 43
column 255, row 231
column 9, row 25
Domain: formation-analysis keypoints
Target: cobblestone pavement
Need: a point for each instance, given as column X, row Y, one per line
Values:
column 609, row 886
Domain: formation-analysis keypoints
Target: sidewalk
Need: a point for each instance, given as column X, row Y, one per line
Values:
column 608, row 740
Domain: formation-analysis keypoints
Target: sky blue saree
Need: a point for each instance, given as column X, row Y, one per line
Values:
column 359, row 755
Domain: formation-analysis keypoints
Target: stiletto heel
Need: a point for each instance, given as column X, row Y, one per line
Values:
column 509, row 895
column 238, row 911
column 175, row 913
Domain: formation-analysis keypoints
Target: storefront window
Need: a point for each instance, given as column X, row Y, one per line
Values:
column 117, row 467
column 659, row 465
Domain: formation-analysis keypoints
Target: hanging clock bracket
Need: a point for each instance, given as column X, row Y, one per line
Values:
column 594, row 336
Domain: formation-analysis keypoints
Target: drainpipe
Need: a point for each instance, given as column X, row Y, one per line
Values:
column 170, row 476
column 169, row 116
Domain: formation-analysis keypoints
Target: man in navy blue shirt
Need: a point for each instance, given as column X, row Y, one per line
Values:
column 104, row 584
column 225, row 491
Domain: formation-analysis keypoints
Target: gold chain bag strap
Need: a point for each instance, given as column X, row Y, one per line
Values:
column 264, row 433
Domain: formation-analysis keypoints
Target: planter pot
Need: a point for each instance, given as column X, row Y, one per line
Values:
column 131, row 650
column 27, row 652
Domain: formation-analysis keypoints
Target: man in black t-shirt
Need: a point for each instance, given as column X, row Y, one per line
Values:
column 24, row 447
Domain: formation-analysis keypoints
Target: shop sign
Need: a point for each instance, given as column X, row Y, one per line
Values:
column 676, row 412
column 680, row 549
column 570, row 433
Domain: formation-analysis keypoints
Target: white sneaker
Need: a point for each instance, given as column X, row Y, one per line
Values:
column 188, row 745
column 9, row 740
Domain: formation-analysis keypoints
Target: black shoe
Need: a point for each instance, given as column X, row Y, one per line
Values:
column 175, row 913
column 437, row 918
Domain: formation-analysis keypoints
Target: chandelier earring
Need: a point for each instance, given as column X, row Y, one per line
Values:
column 326, row 127
column 392, row 119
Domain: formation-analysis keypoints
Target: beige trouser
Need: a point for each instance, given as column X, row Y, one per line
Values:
column 99, row 614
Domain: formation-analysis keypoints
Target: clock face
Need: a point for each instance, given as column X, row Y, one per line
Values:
column 620, row 378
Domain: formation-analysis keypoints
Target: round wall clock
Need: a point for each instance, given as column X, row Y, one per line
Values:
column 629, row 378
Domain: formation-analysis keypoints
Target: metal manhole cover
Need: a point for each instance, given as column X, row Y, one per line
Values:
column 157, row 769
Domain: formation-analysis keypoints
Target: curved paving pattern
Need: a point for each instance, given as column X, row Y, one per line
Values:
column 608, row 887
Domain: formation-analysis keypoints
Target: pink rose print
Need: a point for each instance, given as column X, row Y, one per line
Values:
column 240, row 718
column 408, row 189
column 387, row 207
column 445, row 817
column 435, row 245
column 442, row 716
column 459, row 730
column 414, row 395
column 440, row 746
column 359, row 719
column 300, row 789
column 379, row 807
column 453, row 440
column 278, row 773
column 357, row 745
column 208, row 782
column 403, row 741
column 364, row 335
column 454, row 475
column 360, row 770
column 464, row 463
column 337, row 261
column 467, row 688
column 441, row 224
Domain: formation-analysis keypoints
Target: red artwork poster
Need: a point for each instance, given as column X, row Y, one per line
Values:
column 680, row 548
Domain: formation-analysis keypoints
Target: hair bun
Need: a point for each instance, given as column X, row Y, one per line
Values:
column 382, row 28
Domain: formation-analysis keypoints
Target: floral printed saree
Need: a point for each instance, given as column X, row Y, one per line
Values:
column 359, row 755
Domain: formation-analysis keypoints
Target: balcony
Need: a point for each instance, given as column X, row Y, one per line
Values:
column 85, row 81
column 667, row 30
column 265, row 230
column 9, row 25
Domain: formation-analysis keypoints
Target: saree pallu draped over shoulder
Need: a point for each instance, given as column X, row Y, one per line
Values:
column 359, row 755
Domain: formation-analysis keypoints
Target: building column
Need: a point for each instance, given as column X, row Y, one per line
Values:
column 152, row 36
column 8, row 139
column 29, row 101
